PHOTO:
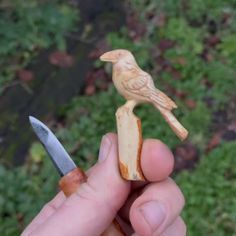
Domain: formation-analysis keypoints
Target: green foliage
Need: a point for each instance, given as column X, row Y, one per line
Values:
column 210, row 192
column 23, row 192
column 193, row 10
column 228, row 46
column 28, row 26
column 140, row 49
column 37, row 152
column 187, row 37
column 223, row 78
column 197, row 123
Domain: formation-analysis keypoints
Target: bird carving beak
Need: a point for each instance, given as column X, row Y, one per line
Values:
column 109, row 56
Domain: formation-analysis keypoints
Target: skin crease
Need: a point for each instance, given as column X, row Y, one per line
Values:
column 92, row 208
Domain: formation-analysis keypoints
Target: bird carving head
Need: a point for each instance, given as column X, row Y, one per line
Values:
column 116, row 55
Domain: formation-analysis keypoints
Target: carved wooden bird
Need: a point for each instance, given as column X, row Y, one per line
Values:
column 137, row 87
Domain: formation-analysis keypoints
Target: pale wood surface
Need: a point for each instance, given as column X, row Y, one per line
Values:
column 136, row 86
column 130, row 143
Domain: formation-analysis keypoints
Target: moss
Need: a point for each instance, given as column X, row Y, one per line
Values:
column 210, row 192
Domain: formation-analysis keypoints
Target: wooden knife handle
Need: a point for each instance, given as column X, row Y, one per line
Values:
column 70, row 183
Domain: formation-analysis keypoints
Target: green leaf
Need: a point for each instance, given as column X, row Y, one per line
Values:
column 37, row 152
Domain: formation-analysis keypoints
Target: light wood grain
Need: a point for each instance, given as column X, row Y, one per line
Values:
column 130, row 143
column 136, row 86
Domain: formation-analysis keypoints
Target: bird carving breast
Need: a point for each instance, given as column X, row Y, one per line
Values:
column 118, row 80
column 132, row 83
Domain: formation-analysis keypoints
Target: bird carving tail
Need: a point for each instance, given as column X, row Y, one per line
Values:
column 175, row 125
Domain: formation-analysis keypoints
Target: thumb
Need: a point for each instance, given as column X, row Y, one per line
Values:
column 92, row 208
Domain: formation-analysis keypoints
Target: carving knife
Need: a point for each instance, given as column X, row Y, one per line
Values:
column 72, row 176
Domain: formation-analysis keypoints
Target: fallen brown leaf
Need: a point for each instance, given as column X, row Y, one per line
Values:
column 90, row 90
column 61, row 59
column 186, row 155
column 181, row 61
column 161, row 20
column 190, row 103
column 206, row 82
column 180, row 94
column 165, row 44
column 25, row 75
column 212, row 41
column 229, row 135
column 96, row 79
column 214, row 141
column 135, row 28
column 101, row 47
column 232, row 126
column 226, row 20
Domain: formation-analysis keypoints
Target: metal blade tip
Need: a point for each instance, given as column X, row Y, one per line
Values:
column 58, row 154
column 32, row 119
column 39, row 128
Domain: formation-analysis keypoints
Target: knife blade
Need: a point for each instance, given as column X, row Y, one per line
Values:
column 60, row 158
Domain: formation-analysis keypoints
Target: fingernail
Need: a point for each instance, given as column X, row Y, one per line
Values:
column 104, row 148
column 154, row 213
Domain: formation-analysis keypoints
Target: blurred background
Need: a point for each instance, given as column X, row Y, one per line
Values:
column 49, row 68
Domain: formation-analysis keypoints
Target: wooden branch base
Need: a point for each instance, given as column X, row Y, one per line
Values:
column 130, row 143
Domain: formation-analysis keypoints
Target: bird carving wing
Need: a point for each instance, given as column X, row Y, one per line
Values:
column 142, row 85
column 162, row 100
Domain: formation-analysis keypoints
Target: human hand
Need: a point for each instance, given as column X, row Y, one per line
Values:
column 145, row 208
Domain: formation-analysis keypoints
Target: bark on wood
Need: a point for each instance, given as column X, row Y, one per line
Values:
column 71, row 182
column 129, row 143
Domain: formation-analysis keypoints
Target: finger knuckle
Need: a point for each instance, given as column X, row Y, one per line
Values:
column 92, row 194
